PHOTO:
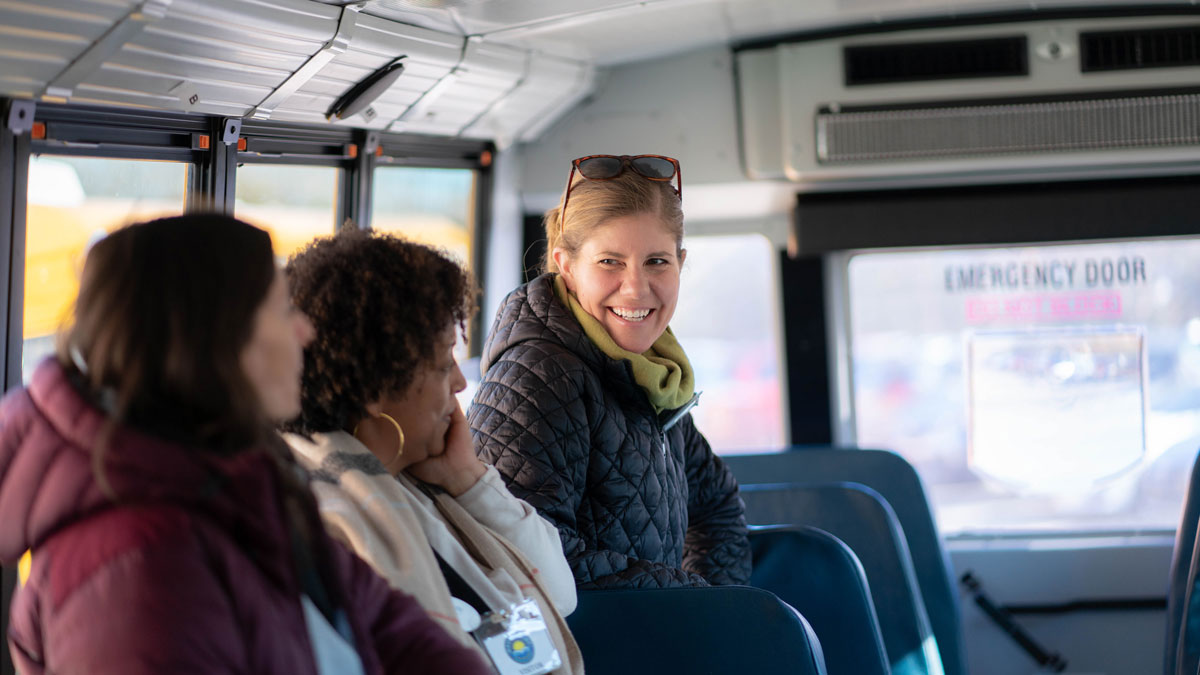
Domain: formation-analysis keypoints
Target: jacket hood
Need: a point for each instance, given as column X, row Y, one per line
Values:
column 533, row 312
column 47, row 433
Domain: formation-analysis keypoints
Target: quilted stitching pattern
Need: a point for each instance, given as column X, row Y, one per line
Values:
column 573, row 435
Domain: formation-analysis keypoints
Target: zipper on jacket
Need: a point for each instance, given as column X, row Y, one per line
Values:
column 674, row 419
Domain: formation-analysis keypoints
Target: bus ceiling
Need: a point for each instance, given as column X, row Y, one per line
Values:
column 828, row 93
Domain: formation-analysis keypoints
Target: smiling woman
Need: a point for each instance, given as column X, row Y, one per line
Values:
column 599, row 436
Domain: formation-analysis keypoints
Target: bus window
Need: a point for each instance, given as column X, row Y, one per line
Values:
column 432, row 206
column 294, row 203
column 1035, row 387
column 435, row 207
column 728, row 322
column 72, row 202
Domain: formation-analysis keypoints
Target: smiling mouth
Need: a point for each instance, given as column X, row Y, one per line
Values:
column 632, row 315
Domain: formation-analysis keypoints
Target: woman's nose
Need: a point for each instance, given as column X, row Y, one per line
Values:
column 634, row 281
column 460, row 380
column 305, row 331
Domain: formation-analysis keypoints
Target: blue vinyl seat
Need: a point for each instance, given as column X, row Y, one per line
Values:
column 722, row 630
column 1182, row 654
column 861, row 517
column 820, row 576
column 895, row 479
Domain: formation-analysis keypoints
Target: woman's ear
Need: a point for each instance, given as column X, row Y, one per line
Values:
column 682, row 256
column 374, row 408
column 566, row 266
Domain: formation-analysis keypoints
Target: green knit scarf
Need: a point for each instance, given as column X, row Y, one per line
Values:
column 663, row 371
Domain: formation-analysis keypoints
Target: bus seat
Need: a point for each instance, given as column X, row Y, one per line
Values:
column 820, row 576
column 1182, row 654
column 718, row 630
column 893, row 477
column 861, row 517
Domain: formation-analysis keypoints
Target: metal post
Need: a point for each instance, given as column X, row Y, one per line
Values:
column 14, row 185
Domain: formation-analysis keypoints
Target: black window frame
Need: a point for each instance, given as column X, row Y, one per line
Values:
column 264, row 142
column 14, row 183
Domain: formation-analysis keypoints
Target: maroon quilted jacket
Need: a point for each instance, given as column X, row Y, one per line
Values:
column 191, row 572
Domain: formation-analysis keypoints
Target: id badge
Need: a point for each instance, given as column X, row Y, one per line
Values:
column 518, row 641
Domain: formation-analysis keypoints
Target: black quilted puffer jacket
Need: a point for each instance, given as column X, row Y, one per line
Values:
column 571, row 432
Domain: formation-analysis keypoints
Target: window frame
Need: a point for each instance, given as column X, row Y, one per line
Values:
column 14, row 185
column 294, row 145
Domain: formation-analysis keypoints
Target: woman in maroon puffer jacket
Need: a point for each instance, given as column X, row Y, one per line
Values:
column 168, row 529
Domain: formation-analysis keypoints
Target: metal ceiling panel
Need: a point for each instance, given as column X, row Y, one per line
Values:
column 609, row 32
column 414, row 14
column 269, row 39
column 428, row 57
column 225, row 55
column 38, row 40
column 275, row 59
column 485, row 74
column 550, row 87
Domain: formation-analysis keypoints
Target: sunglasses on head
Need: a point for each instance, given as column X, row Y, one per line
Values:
column 606, row 167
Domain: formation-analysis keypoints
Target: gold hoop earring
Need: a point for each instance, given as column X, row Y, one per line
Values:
column 399, row 434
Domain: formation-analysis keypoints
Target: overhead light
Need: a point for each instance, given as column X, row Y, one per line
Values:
column 366, row 91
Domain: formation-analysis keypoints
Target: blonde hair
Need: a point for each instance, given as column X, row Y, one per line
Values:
column 594, row 202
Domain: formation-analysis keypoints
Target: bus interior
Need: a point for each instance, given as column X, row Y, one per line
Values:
column 952, row 234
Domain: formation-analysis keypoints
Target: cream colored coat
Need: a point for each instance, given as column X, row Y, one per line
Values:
column 393, row 524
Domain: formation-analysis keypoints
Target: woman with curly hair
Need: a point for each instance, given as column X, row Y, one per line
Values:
column 388, row 447
column 585, row 397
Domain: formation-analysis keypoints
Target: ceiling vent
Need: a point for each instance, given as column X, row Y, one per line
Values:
column 928, row 105
column 964, row 131
column 921, row 61
column 1137, row 49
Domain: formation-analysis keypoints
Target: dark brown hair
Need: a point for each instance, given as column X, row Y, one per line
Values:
column 379, row 304
column 164, row 310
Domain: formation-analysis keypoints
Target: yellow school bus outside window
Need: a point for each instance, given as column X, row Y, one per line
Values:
column 432, row 206
column 294, row 203
column 72, row 203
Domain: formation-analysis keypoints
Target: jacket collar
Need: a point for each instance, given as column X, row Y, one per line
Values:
column 47, row 481
column 533, row 312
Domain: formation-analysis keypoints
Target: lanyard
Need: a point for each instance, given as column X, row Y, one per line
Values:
column 459, row 587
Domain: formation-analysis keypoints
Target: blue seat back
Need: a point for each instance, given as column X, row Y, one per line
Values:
column 860, row 517
column 1182, row 654
column 893, row 477
column 718, row 630
column 820, row 576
